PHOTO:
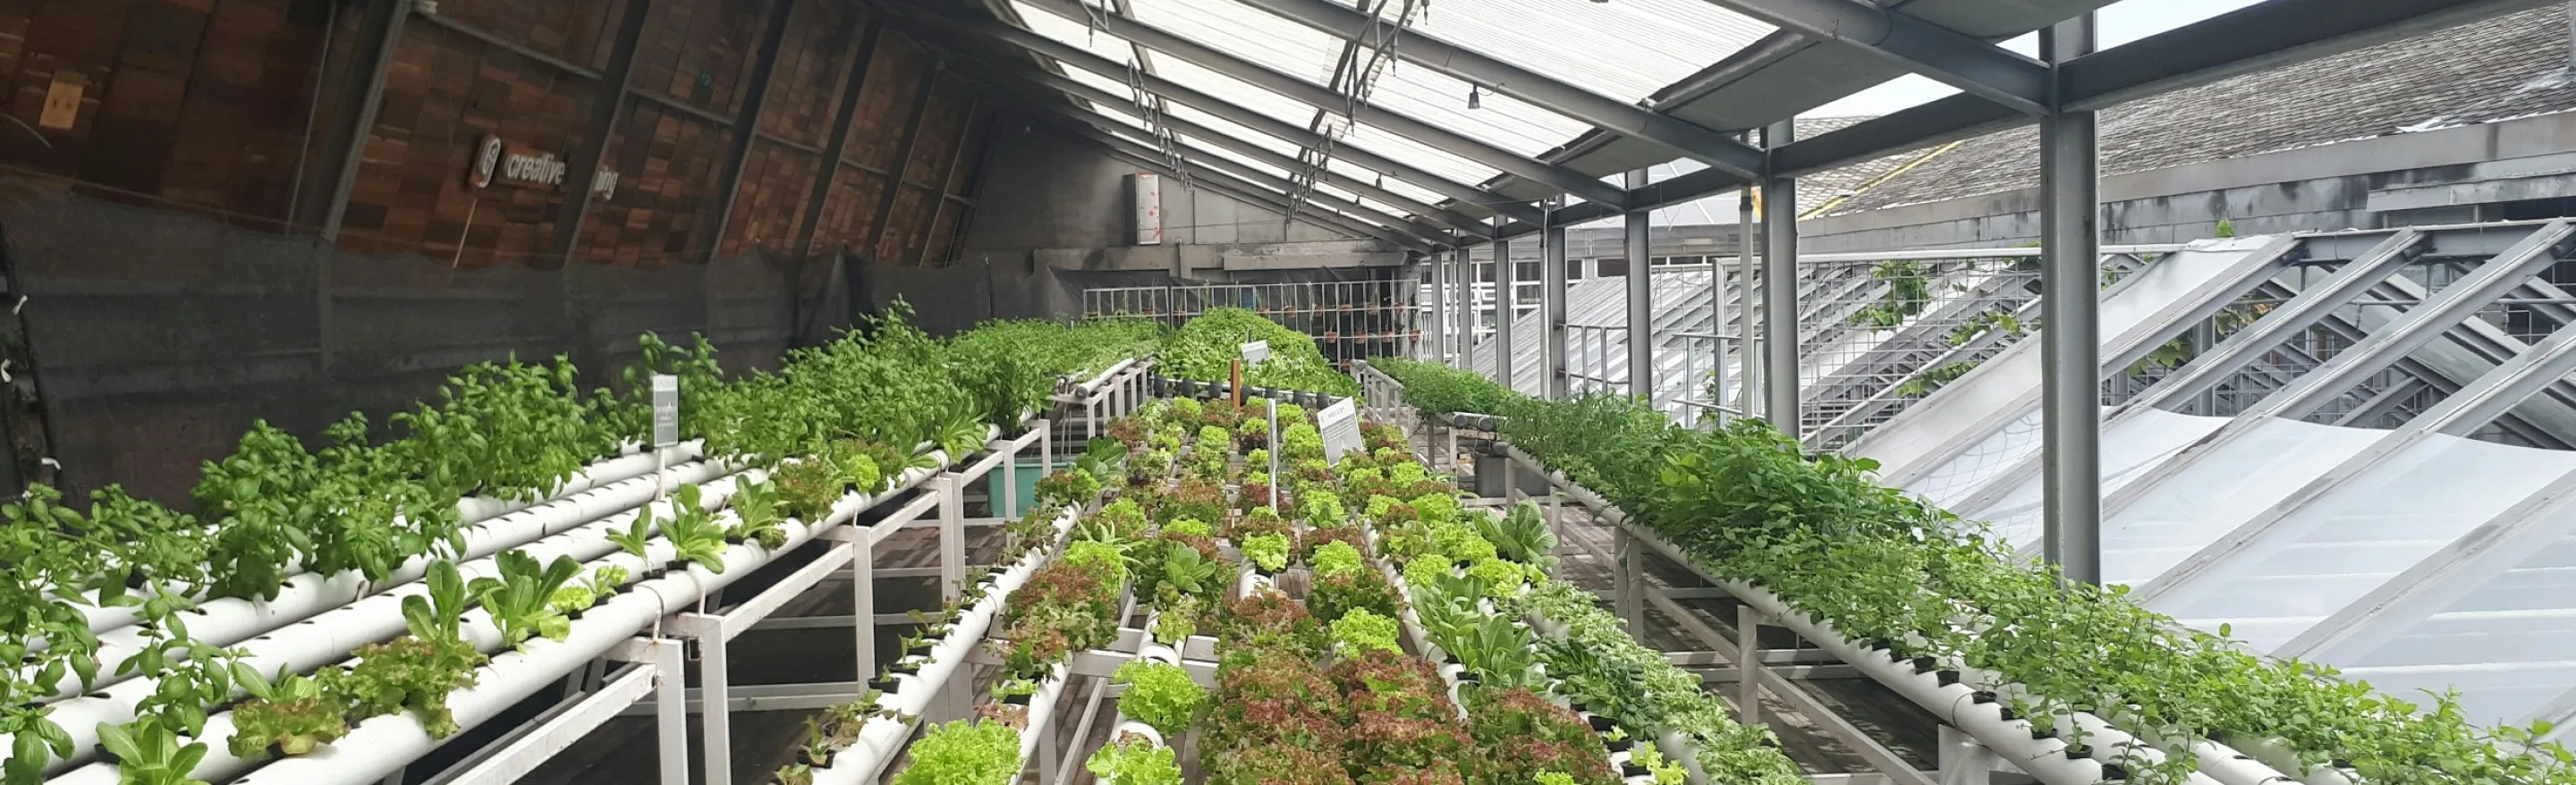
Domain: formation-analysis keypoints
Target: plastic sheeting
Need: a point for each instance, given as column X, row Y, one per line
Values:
column 2140, row 444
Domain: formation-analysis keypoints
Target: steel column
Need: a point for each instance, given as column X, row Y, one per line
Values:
column 1465, row 323
column 1552, row 284
column 746, row 124
column 607, row 107
column 671, row 709
column 1641, row 298
column 2071, row 341
column 1439, row 344
column 1780, row 287
column 1747, row 351
column 1505, row 272
column 820, row 193
column 345, row 149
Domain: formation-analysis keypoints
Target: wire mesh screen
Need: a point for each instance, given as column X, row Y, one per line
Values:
column 1350, row 320
column 1878, row 335
column 160, row 337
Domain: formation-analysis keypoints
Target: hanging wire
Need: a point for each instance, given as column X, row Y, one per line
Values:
column 1316, row 159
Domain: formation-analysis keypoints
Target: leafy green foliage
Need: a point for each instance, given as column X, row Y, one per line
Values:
column 1159, row 695
column 756, row 508
column 1443, row 389
column 522, row 598
column 1361, row 630
column 1134, row 762
column 1521, row 536
column 1205, row 349
column 293, row 713
column 693, row 530
column 964, row 753
column 149, row 753
column 1269, row 552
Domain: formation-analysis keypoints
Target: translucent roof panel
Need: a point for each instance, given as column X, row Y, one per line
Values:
column 1204, row 146
column 2523, row 614
column 1595, row 46
column 2138, row 444
column 1075, row 32
column 1400, row 187
column 1190, row 114
column 2219, row 490
column 2372, row 527
column 1499, row 120
column 1246, row 32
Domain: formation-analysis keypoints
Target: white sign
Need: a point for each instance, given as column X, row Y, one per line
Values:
column 666, row 410
column 1255, row 352
column 497, row 163
column 1340, row 423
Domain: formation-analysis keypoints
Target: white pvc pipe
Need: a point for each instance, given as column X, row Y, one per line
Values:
column 1094, row 385
column 384, row 744
column 229, row 621
column 1041, row 714
column 470, row 510
column 2277, row 754
column 881, row 738
column 329, row 637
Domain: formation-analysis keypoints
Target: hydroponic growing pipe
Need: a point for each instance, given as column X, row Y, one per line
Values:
column 472, row 511
column 1955, row 702
column 384, row 744
column 229, row 621
column 881, row 738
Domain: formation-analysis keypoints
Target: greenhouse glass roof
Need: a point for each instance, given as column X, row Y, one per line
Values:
column 1422, row 124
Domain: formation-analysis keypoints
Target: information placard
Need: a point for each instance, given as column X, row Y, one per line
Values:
column 1255, row 352
column 1340, row 424
column 666, row 410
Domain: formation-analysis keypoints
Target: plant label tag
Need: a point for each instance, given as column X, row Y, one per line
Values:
column 1340, row 424
column 666, row 410
column 63, row 101
column 1255, row 352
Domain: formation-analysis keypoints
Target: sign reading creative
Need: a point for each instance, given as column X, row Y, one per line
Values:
column 500, row 163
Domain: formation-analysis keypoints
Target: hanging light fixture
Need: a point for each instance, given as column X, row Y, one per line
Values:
column 1475, row 97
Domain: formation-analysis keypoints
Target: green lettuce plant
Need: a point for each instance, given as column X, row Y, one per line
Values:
column 964, row 753
column 521, row 599
column 1159, row 695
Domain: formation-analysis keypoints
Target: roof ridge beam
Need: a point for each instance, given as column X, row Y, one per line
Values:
column 1951, row 57
column 1076, row 57
column 1318, row 96
column 1720, row 151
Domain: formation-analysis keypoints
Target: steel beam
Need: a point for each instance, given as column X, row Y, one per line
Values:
column 607, row 108
column 1681, row 137
column 1398, row 230
column 956, row 32
column 1445, row 217
column 903, row 161
column 746, row 123
column 2070, row 172
column 1780, row 288
column 345, row 149
column 820, row 193
column 2491, row 396
column 2267, row 35
column 1552, row 274
column 1561, row 178
column 2278, row 325
column 1949, row 56
column 940, row 206
column 1439, row 345
column 1641, row 298
column 2387, row 345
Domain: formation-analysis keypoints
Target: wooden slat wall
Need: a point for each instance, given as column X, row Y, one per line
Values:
column 208, row 105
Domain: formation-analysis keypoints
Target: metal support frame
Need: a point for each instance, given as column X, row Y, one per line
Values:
column 1248, row 192
column 1948, row 56
column 746, row 123
column 1465, row 321
column 535, row 744
column 834, row 149
column 608, row 104
column 1505, row 273
column 1779, row 347
column 345, row 149
column 1561, row 178
column 1437, row 350
column 1748, row 348
column 952, row 536
column 1552, row 274
column 1102, row 130
column 2206, row 371
column 2070, row 173
column 903, row 161
column 1641, row 297
column 2389, row 344
column 939, row 205
column 1627, row 119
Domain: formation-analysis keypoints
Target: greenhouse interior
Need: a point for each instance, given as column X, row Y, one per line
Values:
column 1288, row 392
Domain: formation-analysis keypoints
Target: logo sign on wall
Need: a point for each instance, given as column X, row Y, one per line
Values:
column 500, row 163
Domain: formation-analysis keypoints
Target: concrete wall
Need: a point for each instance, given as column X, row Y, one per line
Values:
column 1054, row 217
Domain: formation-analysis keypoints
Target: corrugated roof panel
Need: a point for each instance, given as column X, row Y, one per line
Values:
column 1238, row 158
column 1429, row 159
column 1074, row 32
column 1235, row 91
column 1626, row 49
column 1441, row 100
column 1190, row 114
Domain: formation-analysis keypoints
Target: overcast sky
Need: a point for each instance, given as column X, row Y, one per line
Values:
column 2121, row 23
